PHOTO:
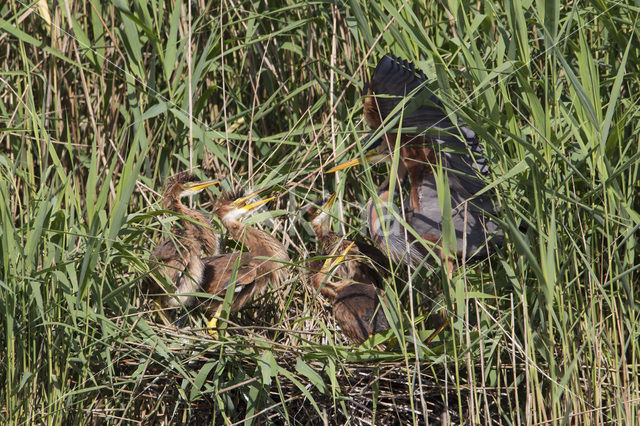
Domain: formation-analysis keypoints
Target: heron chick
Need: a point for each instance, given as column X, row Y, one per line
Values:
column 252, row 272
column 357, row 266
column 178, row 258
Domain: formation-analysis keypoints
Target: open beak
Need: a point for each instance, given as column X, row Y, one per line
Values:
column 371, row 156
column 199, row 186
column 239, row 201
column 251, row 206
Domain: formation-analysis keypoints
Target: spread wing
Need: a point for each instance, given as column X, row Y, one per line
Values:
column 394, row 80
column 398, row 88
column 471, row 223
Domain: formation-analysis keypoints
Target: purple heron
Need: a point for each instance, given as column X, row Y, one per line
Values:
column 181, row 262
column 359, row 261
column 431, row 148
column 356, row 308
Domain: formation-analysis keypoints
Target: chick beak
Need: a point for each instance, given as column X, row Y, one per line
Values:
column 199, row 186
column 251, row 206
column 371, row 156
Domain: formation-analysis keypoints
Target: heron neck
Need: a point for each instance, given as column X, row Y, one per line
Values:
column 200, row 228
column 259, row 243
column 321, row 225
column 417, row 160
column 172, row 202
column 235, row 228
column 321, row 282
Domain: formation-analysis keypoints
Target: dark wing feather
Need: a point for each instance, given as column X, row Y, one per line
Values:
column 378, row 259
column 392, row 83
column 397, row 84
column 471, row 223
column 222, row 270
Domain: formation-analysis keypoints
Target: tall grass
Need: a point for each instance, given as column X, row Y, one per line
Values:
column 100, row 102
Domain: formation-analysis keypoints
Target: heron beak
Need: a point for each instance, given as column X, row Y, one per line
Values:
column 328, row 264
column 256, row 204
column 199, row 186
column 329, row 203
column 320, row 215
column 371, row 156
column 239, row 201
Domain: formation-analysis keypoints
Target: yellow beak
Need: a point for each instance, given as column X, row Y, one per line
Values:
column 329, row 203
column 239, row 201
column 253, row 205
column 328, row 264
column 371, row 156
column 199, row 186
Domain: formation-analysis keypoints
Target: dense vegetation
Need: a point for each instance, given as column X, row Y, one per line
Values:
column 101, row 101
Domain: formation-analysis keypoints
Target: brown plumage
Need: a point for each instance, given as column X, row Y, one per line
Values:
column 260, row 243
column 355, row 297
column 362, row 262
column 179, row 257
column 356, row 306
column 221, row 271
column 265, row 262
column 357, row 310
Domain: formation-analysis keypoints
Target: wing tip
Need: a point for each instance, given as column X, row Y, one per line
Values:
column 402, row 69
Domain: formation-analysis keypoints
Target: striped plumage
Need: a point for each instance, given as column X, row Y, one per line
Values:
column 349, row 278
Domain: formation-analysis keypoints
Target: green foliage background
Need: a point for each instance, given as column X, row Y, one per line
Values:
column 101, row 101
